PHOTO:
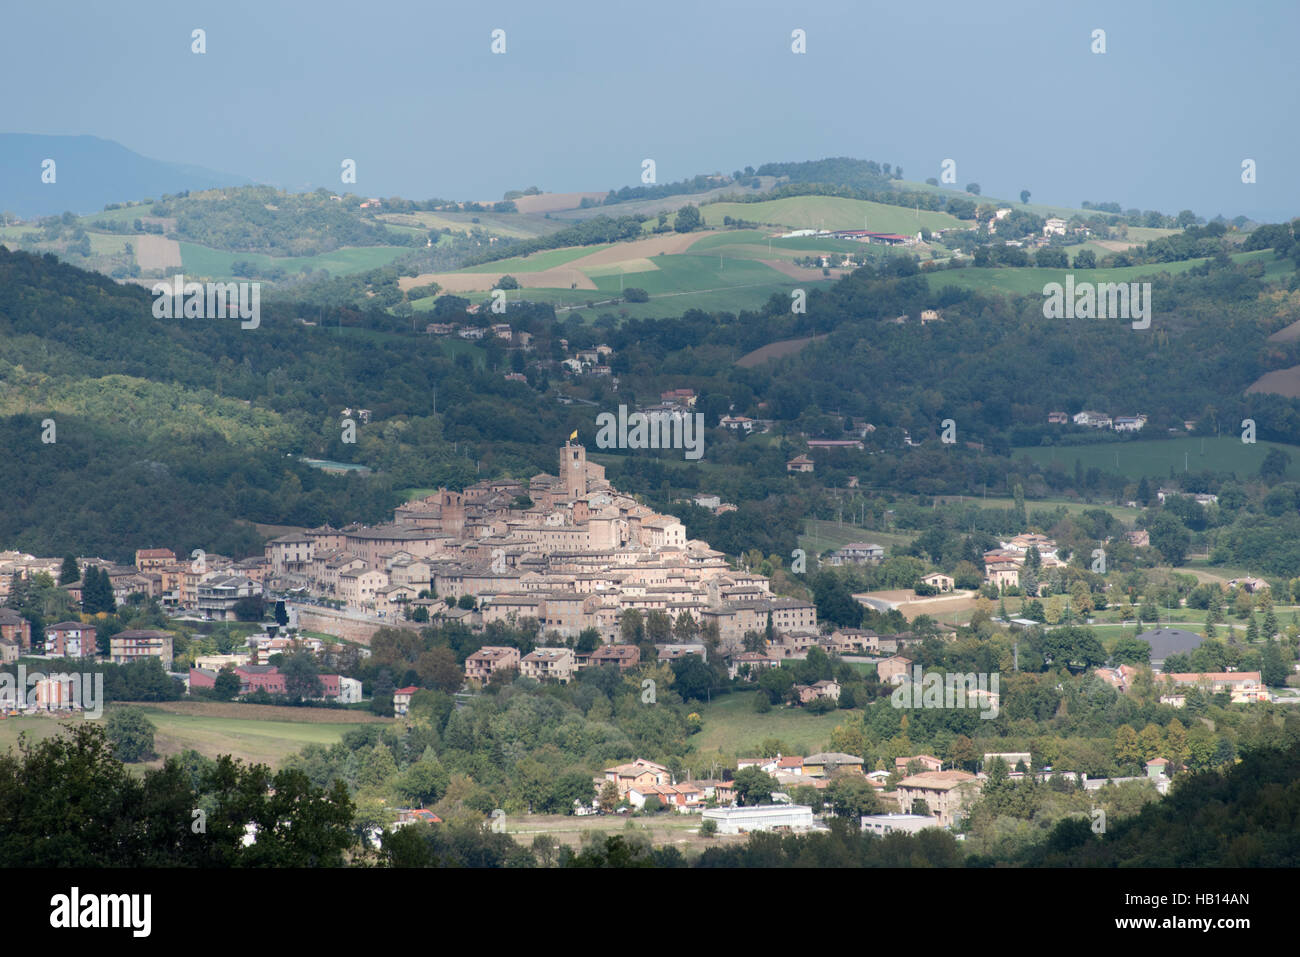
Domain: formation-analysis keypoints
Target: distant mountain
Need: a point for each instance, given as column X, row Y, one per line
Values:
column 89, row 173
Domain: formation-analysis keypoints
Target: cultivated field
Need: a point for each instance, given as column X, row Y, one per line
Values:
column 774, row 350
column 205, row 262
column 553, row 202
column 157, row 252
column 681, row 830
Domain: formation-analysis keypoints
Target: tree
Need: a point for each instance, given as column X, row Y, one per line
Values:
column 973, row 188
column 251, row 608
column 1273, row 468
column 226, row 686
column 1170, row 537
column 424, row 782
column 1131, row 651
column 753, row 786
column 851, row 796
column 69, row 574
column 658, row 626
column 1024, row 196
column 609, row 797
column 685, row 628
column 692, row 678
column 776, row 683
column 437, row 668
column 688, row 219
column 130, row 734
column 631, row 627
column 1144, row 492
column 301, row 676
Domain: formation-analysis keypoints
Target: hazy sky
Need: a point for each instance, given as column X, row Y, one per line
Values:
column 1010, row 90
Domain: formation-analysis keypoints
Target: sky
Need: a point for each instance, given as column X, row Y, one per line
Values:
column 1011, row 91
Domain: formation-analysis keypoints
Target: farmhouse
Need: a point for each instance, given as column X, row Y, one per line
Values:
column 939, row 580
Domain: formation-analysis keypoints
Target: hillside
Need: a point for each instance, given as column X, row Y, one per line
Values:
column 89, row 173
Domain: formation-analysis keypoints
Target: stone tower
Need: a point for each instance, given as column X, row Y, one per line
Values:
column 573, row 471
column 451, row 510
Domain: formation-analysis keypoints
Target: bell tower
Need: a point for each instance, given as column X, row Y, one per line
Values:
column 573, row 471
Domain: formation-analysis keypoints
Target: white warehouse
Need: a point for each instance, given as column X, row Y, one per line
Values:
column 762, row 817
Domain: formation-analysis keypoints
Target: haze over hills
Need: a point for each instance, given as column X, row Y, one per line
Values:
column 89, row 173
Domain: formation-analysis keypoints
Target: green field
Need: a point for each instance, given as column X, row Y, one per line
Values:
column 677, row 274
column 831, row 212
column 128, row 214
column 719, row 297
column 249, row 739
column 1155, row 457
column 201, row 261
column 819, row 535
column 511, row 225
column 733, row 728
column 1030, row 281
column 536, row 262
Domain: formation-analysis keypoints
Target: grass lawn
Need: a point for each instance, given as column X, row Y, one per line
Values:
column 1155, row 457
column 733, row 728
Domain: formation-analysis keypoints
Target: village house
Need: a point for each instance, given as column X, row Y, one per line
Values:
column 945, row 793
column 748, row 665
column 555, row 664
column 482, row 664
column 638, row 773
column 800, row 463
column 737, row 423
column 857, row 553
column 402, row 700
column 927, row 762
column 1246, row 687
column 939, row 580
column 135, row 644
column 1093, row 420
column 15, row 628
column 894, row 670
column 70, row 639
column 826, row 763
column 820, row 689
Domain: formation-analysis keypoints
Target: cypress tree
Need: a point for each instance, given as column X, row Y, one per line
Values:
column 90, row 590
column 69, row 573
